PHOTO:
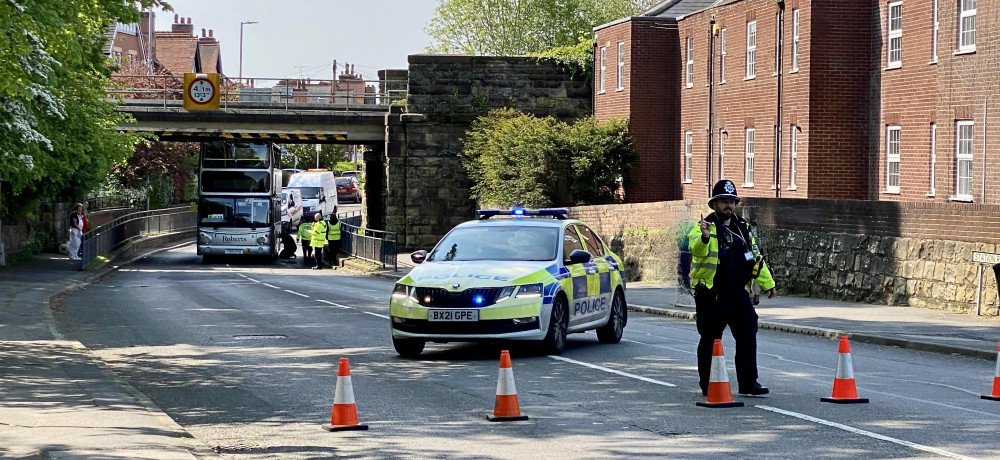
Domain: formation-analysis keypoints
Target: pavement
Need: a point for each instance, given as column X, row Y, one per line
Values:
column 58, row 401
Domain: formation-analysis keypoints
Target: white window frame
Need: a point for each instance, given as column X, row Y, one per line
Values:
column 795, row 40
column 934, row 32
column 963, row 155
column 748, row 166
column 621, row 66
column 933, row 164
column 793, row 170
column 722, row 152
column 689, row 62
column 894, row 44
column 722, row 56
column 751, row 56
column 966, row 35
column 688, row 155
column 604, row 53
column 893, row 147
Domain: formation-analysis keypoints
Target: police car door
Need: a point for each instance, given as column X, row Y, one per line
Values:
column 595, row 247
column 584, row 301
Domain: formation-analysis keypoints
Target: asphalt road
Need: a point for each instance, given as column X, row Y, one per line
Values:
column 245, row 358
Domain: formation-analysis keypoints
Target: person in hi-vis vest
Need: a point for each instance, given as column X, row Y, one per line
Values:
column 317, row 239
column 333, row 236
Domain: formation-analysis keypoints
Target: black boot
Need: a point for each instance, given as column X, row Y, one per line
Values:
column 755, row 390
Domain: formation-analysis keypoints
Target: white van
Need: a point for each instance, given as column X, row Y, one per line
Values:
column 319, row 191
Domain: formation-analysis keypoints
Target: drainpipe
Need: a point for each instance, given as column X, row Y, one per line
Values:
column 711, row 101
column 779, row 120
column 985, row 120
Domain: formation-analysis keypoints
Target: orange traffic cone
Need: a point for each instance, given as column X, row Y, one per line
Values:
column 719, row 392
column 996, row 382
column 506, row 408
column 345, row 411
column 844, row 389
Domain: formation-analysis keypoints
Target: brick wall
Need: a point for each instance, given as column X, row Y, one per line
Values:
column 916, row 254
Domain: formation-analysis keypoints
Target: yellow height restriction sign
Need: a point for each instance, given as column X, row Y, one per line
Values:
column 201, row 91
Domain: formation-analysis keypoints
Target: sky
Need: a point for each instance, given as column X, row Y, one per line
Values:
column 369, row 34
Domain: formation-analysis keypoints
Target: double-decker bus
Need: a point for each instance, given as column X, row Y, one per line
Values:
column 239, row 190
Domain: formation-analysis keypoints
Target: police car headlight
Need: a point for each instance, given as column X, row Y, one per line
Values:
column 529, row 291
column 400, row 291
column 505, row 294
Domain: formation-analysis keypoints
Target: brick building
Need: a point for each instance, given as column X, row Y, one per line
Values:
column 834, row 99
column 175, row 51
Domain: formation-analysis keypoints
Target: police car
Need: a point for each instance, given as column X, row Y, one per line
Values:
column 534, row 278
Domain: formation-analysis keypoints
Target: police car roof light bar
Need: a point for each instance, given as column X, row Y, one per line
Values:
column 550, row 212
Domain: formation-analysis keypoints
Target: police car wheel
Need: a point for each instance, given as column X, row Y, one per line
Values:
column 612, row 332
column 555, row 341
column 408, row 348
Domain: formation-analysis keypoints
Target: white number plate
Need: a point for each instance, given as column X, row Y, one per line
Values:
column 453, row 315
column 234, row 251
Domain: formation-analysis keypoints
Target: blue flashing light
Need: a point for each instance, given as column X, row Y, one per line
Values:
column 518, row 211
column 478, row 299
column 559, row 213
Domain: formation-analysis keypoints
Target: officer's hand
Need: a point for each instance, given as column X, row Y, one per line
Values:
column 770, row 293
column 706, row 231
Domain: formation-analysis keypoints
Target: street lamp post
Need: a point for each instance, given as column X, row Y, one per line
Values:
column 241, row 47
column 318, row 148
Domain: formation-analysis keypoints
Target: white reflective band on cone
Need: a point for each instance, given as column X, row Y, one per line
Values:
column 845, row 370
column 718, row 373
column 998, row 366
column 345, row 391
column 505, row 382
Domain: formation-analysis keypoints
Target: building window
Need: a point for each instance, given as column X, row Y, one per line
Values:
column 967, row 25
column 604, row 52
column 621, row 65
column 748, row 162
column 689, row 53
column 722, row 153
column 793, row 171
column 933, row 164
column 688, row 153
column 934, row 32
column 795, row 40
column 892, row 159
column 751, row 49
column 895, row 58
column 963, row 159
column 722, row 56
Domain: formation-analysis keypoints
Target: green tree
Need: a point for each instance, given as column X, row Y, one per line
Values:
column 304, row 156
column 57, row 126
column 520, row 27
column 518, row 159
column 171, row 166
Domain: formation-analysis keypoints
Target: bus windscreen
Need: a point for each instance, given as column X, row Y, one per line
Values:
column 234, row 212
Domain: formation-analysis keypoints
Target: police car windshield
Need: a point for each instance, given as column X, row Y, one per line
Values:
column 526, row 243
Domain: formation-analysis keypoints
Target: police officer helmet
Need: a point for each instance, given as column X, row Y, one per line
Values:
column 724, row 189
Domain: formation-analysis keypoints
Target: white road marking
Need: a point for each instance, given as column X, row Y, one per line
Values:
column 270, row 285
column 870, row 434
column 375, row 314
column 296, row 293
column 345, row 307
column 613, row 371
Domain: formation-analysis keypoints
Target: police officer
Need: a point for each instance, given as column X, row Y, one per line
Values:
column 317, row 239
column 305, row 234
column 333, row 251
column 725, row 259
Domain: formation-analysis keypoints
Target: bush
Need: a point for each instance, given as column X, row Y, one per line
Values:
column 518, row 159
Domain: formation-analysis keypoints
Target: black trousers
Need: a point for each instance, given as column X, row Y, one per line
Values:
column 333, row 252
column 319, row 256
column 732, row 308
column 307, row 251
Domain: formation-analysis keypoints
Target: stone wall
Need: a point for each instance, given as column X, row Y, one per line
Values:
column 50, row 224
column 916, row 254
column 427, row 188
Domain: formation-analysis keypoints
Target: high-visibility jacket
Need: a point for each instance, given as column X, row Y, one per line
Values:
column 318, row 234
column 705, row 257
column 305, row 231
column 334, row 231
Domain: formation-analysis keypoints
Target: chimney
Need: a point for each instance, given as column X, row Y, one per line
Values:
column 184, row 26
column 202, row 32
column 175, row 19
column 210, row 34
column 334, row 69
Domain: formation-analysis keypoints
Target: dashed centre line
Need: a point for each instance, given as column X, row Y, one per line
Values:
column 613, row 371
column 296, row 293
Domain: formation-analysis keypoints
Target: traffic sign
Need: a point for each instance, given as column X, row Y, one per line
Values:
column 201, row 91
column 985, row 257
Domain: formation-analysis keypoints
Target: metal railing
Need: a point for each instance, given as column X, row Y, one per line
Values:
column 106, row 238
column 290, row 93
column 377, row 246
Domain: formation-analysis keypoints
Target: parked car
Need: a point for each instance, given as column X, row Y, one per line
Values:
column 319, row 191
column 291, row 209
column 348, row 189
column 351, row 174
